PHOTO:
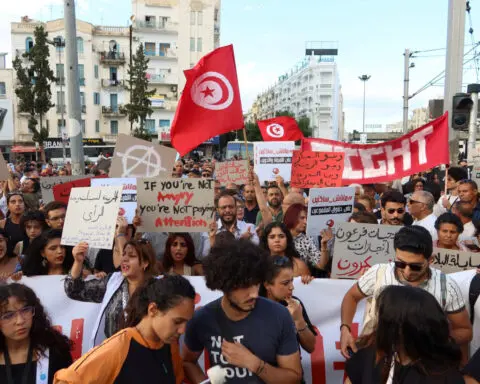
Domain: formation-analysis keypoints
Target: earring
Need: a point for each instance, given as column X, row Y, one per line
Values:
column 44, row 262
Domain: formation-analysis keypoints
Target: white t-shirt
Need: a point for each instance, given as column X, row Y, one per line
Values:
column 429, row 224
column 468, row 231
column 453, row 299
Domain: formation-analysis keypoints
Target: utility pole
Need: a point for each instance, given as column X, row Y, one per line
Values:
column 473, row 90
column 364, row 78
column 132, row 20
column 62, row 110
column 454, row 66
column 406, row 82
column 74, row 112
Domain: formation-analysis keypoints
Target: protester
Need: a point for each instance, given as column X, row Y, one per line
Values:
column 411, row 343
column 252, row 336
column 420, row 206
column 358, row 190
column 179, row 256
column 278, row 286
column 449, row 228
column 113, row 291
column 291, row 199
column 240, row 209
column 33, row 223
column 55, row 213
column 227, row 210
column 147, row 351
column 468, row 192
column 251, row 206
column 296, row 222
column 8, row 261
column 413, row 255
column 358, row 207
column 46, row 256
column 31, row 189
column 273, row 210
column 445, row 203
column 363, row 217
column 30, row 348
column 393, row 208
column 367, row 202
column 278, row 241
column 11, row 225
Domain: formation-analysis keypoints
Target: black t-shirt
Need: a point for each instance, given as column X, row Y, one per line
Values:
column 250, row 217
column 472, row 369
column 268, row 331
column 104, row 261
column 305, row 317
column 56, row 362
column 362, row 368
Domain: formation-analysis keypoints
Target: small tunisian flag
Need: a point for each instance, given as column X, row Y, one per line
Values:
column 210, row 103
column 282, row 128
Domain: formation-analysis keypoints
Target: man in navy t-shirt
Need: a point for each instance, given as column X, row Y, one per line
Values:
column 252, row 337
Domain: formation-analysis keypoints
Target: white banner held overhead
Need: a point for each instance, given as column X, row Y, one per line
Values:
column 128, row 202
column 273, row 158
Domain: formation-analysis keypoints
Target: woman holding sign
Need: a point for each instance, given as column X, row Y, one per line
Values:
column 31, row 350
column 147, row 351
column 114, row 290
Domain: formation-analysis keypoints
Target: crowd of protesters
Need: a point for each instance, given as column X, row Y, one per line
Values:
column 417, row 328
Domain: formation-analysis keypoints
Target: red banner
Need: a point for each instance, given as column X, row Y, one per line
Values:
column 61, row 192
column 316, row 169
column 417, row 151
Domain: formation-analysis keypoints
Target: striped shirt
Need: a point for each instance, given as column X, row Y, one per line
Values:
column 454, row 300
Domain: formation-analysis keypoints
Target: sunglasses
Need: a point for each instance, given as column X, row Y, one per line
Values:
column 415, row 267
column 391, row 211
column 205, row 175
column 411, row 201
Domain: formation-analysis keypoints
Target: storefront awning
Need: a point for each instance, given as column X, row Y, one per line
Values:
column 22, row 149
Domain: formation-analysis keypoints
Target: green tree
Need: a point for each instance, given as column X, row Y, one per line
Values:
column 140, row 105
column 34, row 89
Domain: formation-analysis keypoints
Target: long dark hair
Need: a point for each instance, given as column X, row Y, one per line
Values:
column 42, row 334
column 166, row 292
column 189, row 260
column 146, row 254
column 290, row 251
column 410, row 318
column 275, row 265
column 32, row 263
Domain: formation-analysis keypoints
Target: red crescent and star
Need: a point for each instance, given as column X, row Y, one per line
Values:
column 207, row 92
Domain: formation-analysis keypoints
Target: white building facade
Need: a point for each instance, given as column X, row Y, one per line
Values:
column 311, row 89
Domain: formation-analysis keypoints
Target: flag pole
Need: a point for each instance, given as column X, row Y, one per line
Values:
column 446, row 177
column 246, row 144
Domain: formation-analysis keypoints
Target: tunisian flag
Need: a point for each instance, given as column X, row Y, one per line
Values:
column 283, row 128
column 210, row 103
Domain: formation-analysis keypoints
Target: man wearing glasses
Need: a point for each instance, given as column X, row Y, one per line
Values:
column 393, row 208
column 420, row 206
column 413, row 256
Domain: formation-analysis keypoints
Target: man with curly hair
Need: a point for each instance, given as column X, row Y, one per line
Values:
column 252, row 337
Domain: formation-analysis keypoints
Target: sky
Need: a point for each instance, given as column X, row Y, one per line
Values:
column 269, row 37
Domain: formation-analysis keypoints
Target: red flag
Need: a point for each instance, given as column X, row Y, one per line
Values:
column 210, row 103
column 282, row 128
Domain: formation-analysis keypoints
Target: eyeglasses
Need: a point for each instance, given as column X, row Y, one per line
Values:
column 25, row 312
column 280, row 261
column 391, row 211
column 415, row 267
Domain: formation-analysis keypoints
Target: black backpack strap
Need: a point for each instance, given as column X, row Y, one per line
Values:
column 473, row 293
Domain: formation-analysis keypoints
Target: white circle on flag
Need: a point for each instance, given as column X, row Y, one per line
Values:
column 275, row 130
column 213, row 91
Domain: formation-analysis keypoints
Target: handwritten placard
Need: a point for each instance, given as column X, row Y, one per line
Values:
column 128, row 202
column 327, row 207
column 273, row 158
column 449, row 261
column 360, row 246
column 317, row 169
column 232, row 172
column 47, row 184
column 91, row 216
column 175, row 205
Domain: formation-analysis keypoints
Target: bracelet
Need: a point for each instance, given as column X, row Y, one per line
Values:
column 303, row 329
column 260, row 368
column 121, row 235
column 347, row 326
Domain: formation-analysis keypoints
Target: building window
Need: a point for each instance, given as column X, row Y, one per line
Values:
column 95, row 71
column 82, row 98
column 200, row 18
column 28, row 44
column 79, row 45
column 192, row 44
column 114, row 127
column 150, row 49
column 3, row 89
column 150, row 21
column 60, row 74
column 199, row 44
column 83, row 126
column 81, row 74
column 96, row 98
column 60, row 48
column 97, row 126
column 60, row 125
column 113, row 74
column 164, row 123
column 192, row 18
column 150, row 126
column 60, row 102
column 163, row 49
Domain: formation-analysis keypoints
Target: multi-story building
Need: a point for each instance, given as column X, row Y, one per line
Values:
column 311, row 89
column 6, row 107
column 174, row 34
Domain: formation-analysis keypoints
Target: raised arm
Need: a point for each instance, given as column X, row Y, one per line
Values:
column 262, row 203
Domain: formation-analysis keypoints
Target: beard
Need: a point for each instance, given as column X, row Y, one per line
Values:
column 236, row 306
column 274, row 203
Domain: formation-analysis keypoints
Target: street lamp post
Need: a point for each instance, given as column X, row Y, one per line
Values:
column 364, row 78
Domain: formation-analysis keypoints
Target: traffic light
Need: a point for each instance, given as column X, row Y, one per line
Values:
column 461, row 106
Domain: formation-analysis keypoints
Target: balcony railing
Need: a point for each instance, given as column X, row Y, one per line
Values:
column 61, row 108
column 60, row 80
column 167, row 54
column 112, row 57
column 112, row 83
column 161, row 79
column 117, row 110
column 158, row 25
column 110, row 137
